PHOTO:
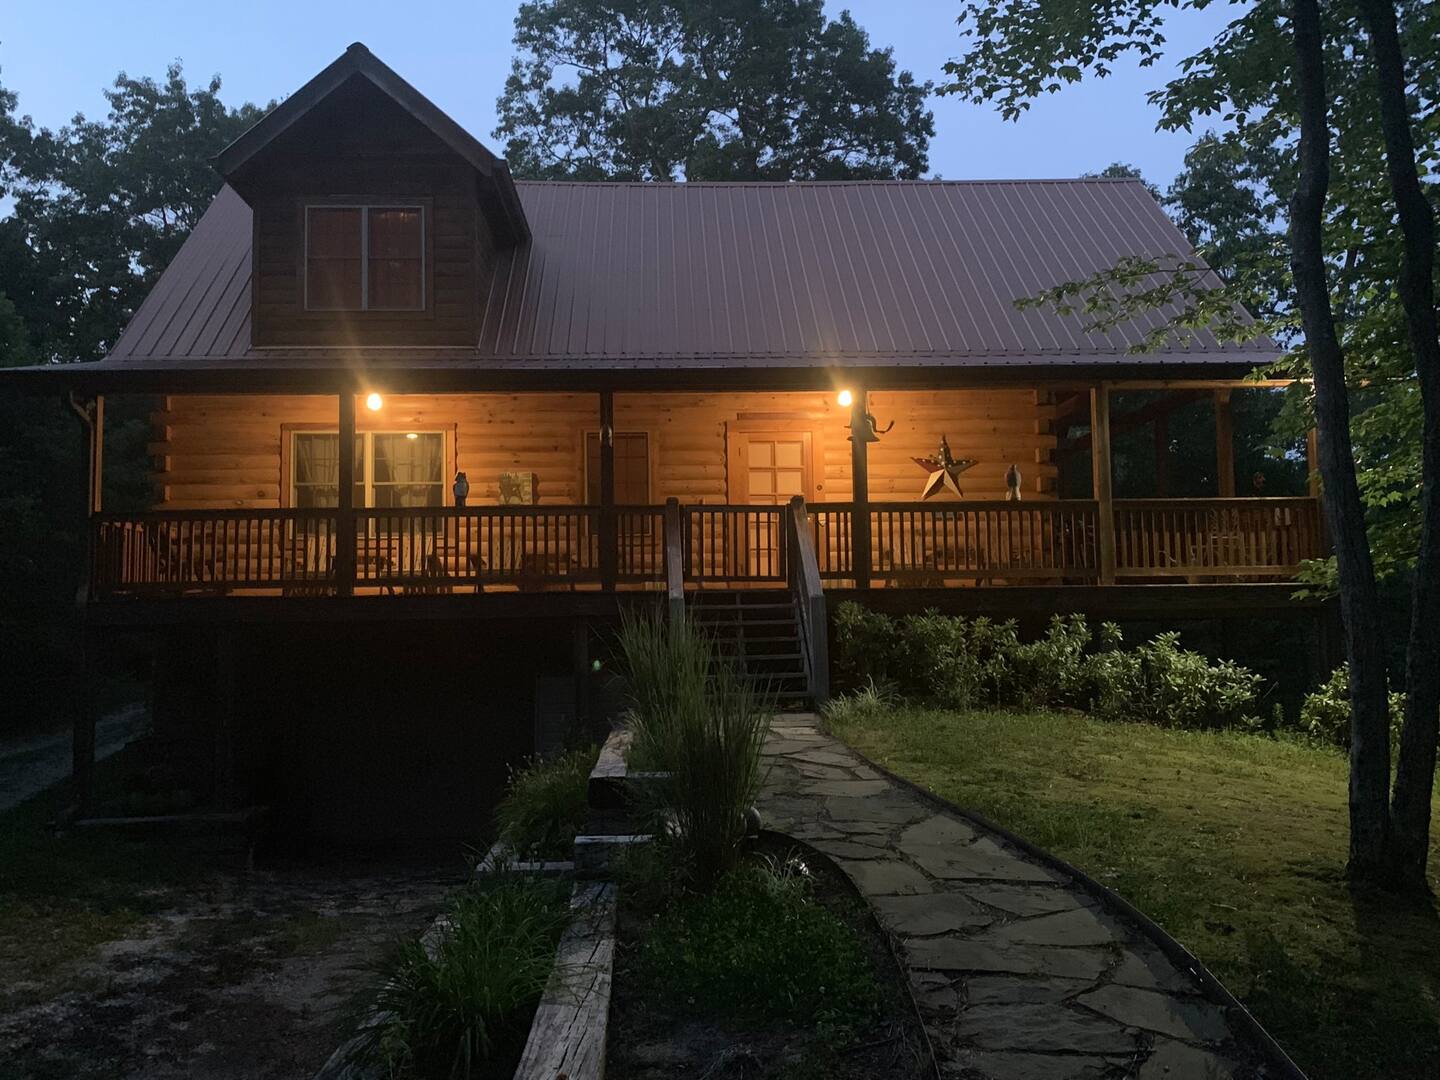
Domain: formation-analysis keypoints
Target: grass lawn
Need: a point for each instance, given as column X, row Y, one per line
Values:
column 1236, row 844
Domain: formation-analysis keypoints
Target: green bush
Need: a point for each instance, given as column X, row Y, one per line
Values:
column 1325, row 714
column 545, row 805
column 759, row 946
column 703, row 725
column 954, row 662
column 450, row 1010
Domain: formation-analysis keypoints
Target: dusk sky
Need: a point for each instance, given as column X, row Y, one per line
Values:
column 59, row 55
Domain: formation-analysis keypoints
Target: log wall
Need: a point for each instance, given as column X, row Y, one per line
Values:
column 226, row 451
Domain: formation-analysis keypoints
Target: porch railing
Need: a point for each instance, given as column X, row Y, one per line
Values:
column 1215, row 538
column 546, row 547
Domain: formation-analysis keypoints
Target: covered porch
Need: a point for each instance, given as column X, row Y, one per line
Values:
column 620, row 491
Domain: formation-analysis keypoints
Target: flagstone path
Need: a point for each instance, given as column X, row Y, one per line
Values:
column 1018, row 972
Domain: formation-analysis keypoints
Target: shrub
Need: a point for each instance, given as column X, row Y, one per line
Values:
column 1325, row 714
column 546, row 805
column 448, row 1010
column 1160, row 683
column 954, row 662
column 760, row 947
column 697, row 720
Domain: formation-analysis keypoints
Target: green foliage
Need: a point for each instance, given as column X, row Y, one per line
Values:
column 1325, row 714
column 760, row 947
column 546, row 804
column 98, row 208
column 448, row 1009
column 706, row 90
column 1231, row 200
column 954, row 662
column 697, row 720
column 1234, row 843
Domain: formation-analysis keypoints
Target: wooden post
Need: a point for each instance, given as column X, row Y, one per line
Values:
column 1162, row 456
column 609, row 540
column 1101, row 481
column 344, row 566
column 860, row 489
column 97, row 456
column 1224, row 444
column 674, row 561
column 224, row 764
column 87, row 713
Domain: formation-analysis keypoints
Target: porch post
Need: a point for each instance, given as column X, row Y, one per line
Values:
column 1162, row 456
column 860, row 488
column 1224, row 444
column 97, row 456
column 609, row 546
column 1101, row 480
column 345, row 512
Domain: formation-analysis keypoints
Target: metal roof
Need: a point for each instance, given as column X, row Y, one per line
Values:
column 741, row 275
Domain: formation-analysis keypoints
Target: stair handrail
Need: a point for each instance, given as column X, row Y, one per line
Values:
column 805, row 586
column 674, row 561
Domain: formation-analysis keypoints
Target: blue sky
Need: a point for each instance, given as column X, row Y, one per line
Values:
column 58, row 55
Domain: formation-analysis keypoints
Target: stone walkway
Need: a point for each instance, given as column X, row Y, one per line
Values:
column 1018, row 972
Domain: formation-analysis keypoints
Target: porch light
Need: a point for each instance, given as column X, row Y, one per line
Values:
column 844, row 399
column 374, row 401
column 412, row 435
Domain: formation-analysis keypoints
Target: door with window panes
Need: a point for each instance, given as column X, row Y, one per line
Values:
column 774, row 467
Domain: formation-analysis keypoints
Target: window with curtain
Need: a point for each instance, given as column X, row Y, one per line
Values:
column 392, row 469
column 364, row 258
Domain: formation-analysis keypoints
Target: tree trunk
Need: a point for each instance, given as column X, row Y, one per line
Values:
column 1359, row 600
column 1415, row 773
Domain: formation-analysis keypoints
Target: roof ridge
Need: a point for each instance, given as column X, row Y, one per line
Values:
column 968, row 182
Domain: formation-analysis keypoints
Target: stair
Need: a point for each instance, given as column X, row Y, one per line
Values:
column 759, row 629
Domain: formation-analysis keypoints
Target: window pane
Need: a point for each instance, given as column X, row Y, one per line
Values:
column 396, row 268
column 332, row 284
column 395, row 284
column 401, row 459
column 334, row 232
column 332, row 258
column 394, row 234
column 317, row 469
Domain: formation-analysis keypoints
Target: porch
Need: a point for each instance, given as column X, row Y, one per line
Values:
column 675, row 548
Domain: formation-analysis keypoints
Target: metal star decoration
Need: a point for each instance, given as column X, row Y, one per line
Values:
column 944, row 470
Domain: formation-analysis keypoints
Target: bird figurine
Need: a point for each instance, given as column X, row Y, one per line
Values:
column 1012, row 483
column 944, row 469
column 461, row 488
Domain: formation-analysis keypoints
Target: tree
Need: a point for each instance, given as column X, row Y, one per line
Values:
column 706, row 90
column 1291, row 201
column 100, row 207
column 1415, row 776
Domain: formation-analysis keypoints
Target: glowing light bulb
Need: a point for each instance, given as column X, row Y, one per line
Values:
column 373, row 402
column 845, row 398
column 412, row 434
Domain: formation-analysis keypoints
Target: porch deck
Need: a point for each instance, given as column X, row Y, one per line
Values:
column 445, row 550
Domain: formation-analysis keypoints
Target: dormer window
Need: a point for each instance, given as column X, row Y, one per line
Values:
column 364, row 258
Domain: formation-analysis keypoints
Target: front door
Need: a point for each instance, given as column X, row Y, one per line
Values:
column 769, row 468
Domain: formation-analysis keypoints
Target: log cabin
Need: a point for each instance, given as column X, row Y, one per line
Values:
column 414, row 417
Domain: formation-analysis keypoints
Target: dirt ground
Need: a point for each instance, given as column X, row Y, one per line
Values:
column 252, row 975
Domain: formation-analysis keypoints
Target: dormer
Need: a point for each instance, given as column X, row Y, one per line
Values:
column 376, row 216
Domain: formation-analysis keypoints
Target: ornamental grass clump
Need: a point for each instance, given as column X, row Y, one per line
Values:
column 546, row 805
column 702, row 724
column 456, row 1007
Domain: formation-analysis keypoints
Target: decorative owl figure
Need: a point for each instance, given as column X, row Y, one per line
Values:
column 1013, row 481
column 461, row 488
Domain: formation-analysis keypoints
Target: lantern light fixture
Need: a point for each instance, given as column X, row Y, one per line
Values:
column 845, row 399
column 374, row 401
